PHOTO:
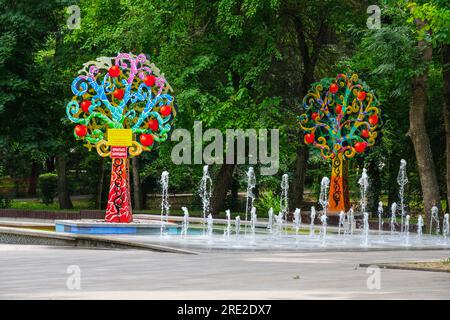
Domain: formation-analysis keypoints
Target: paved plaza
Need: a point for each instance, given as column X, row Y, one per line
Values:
column 41, row 272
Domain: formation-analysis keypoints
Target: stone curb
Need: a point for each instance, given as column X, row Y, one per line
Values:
column 399, row 267
column 16, row 223
column 24, row 236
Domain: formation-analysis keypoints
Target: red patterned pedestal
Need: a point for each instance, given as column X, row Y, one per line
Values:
column 119, row 208
column 339, row 199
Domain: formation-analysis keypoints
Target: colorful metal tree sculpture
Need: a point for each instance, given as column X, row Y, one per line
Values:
column 341, row 119
column 121, row 106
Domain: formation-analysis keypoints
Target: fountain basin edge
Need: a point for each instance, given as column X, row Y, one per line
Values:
column 137, row 227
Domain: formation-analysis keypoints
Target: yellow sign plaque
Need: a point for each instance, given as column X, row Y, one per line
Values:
column 120, row 137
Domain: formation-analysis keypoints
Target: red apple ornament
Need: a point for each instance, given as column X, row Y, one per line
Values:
column 361, row 95
column 165, row 110
column 334, row 88
column 114, row 71
column 309, row 138
column 373, row 119
column 360, row 147
column 146, row 139
column 80, row 130
column 119, row 93
column 153, row 124
column 365, row 133
column 85, row 104
column 150, row 80
column 314, row 116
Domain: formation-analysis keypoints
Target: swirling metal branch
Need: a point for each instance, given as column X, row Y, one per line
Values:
column 342, row 116
column 126, row 100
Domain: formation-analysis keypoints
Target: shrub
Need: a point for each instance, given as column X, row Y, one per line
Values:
column 5, row 202
column 48, row 185
column 266, row 201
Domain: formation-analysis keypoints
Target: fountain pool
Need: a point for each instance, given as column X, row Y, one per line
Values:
column 289, row 239
column 314, row 230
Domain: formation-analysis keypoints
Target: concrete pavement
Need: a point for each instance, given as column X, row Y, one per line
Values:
column 39, row 272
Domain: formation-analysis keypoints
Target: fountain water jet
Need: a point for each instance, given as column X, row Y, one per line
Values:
column 297, row 220
column 420, row 225
column 351, row 220
column 365, row 241
column 445, row 227
column 402, row 180
column 227, row 230
column 165, row 206
column 323, row 197
column 407, row 230
column 363, row 187
column 341, row 222
column 251, row 184
column 393, row 217
column 284, row 199
column 237, row 225
column 380, row 217
column 210, row 226
column 270, row 220
column 205, row 194
column 185, row 224
column 311, row 225
column 279, row 223
column 253, row 220
column 323, row 231
column 435, row 219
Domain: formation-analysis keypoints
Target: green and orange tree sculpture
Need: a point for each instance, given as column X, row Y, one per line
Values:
column 121, row 106
column 341, row 119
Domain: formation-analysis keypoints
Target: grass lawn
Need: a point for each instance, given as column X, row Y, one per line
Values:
column 38, row 205
column 412, row 220
column 85, row 204
column 442, row 266
column 196, row 213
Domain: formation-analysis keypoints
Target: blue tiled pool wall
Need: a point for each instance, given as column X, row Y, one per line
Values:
column 111, row 230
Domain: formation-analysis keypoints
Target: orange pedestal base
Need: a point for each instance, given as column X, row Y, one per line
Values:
column 118, row 208
column 339, row 199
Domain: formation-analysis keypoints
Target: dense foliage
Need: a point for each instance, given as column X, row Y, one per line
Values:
column 233, row 64
column 48, row 187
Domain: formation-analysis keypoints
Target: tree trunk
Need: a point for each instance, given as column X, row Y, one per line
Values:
column 446, row 77
column 298, row 180
column 375, row 186
column 309, row 64
column 418, row 133
column 302, row 154
column 101, row 177
column 63, row 190
column 50, row 164
column 392, row 185
column 32, row 182
column 310, row 55
column 144, row 196
column 221, row 186
column 136, row 184
column 234, row 195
